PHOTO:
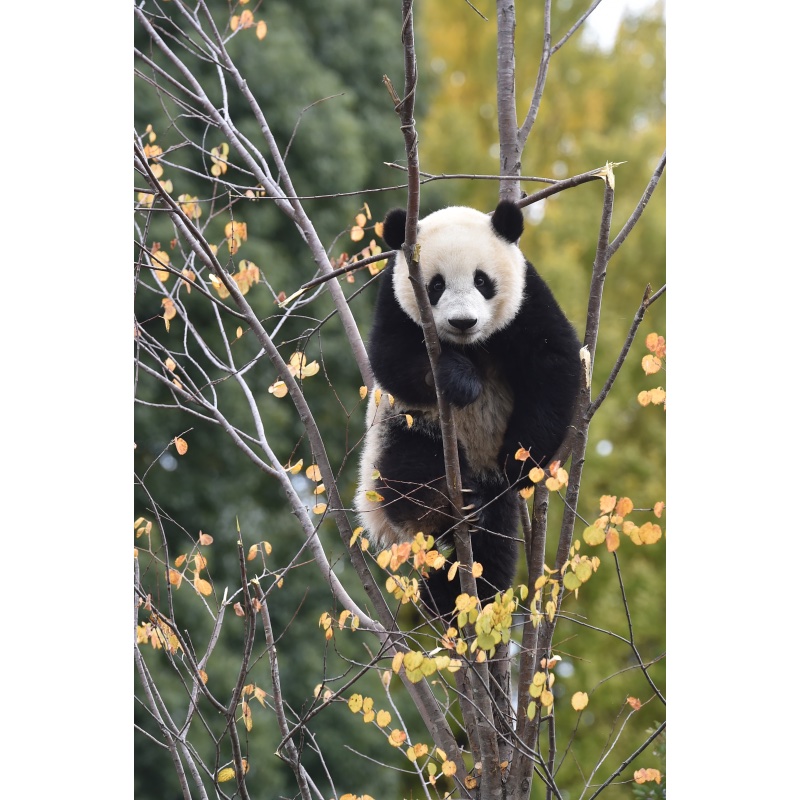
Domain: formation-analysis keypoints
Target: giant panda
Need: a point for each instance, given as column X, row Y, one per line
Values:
column 509, row 367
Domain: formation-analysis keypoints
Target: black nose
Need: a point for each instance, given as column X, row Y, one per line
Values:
column 462, row 324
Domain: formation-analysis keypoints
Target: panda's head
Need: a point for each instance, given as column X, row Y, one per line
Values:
column 472, row 269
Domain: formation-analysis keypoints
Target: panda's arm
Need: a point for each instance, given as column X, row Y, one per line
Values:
column 540, row 351
column 397, row 349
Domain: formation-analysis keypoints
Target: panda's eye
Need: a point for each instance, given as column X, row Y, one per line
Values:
column 484, row 284
column 435, row 289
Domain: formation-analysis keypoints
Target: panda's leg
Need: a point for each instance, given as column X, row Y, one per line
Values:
column 494, row 523
column 412, row 478
column 495, row 541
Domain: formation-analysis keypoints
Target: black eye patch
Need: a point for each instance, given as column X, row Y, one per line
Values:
column 484, row 284
column 435, row 289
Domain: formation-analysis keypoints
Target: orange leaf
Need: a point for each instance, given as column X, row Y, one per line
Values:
column 624, row 507
column 607, row 503
column 202, row 586
column 181, row 446
column 612, row 540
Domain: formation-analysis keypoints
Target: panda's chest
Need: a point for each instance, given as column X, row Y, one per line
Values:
column 481, row 426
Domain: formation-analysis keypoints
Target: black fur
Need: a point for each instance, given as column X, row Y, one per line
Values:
column 507, row 220
column 538, row 355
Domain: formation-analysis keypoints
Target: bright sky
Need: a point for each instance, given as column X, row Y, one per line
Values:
column 605, row 19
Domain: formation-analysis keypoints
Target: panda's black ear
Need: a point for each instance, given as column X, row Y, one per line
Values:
column 394, row 228
column 507, row 220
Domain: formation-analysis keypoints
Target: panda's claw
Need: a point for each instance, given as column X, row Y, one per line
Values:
column 470, row 507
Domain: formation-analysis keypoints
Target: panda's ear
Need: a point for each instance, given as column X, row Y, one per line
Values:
column 394, row 228
column 507, row 220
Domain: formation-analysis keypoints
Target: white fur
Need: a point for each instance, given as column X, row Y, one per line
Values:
column 455, row 242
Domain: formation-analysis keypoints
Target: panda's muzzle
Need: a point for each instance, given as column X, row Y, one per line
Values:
column 462, row 323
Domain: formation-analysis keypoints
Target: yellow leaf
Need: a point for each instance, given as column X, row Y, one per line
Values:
column 612, row 540
column 643, row 398
column 261, row 29
column 409, row 420
column 160, row 261
column 355, row 702
column 449, row 768
column 657, row 396
column 527, row 492
column 546, row 697
column 313, row 473
column 477, row 569
column 413, row 659
column 362, row 392
column 199, row 562
column 451, row 573
column 319, row 488
column 205, row 538
column 536, row 474
column 181, row 446
column 649, row 533
column 356, row 535
column 470, row 782
column 396, row 738
column 522, row 454
column 594, row 535
column 175, row 578
column 651, row 365
column 295, row 468
column 383, row 719
column 180, row 559
column 373, row 496
column 361, row 220
column 226, row 774
column 658, row 509
column 169, row 309
column 580, row 700
column 279, row 389
column 397, row 662
column 356, row 233
column 202, row 586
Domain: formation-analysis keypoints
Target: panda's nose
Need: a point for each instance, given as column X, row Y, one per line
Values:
column 462, row 324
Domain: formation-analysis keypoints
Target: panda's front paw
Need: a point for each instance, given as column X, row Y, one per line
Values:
column 458, row 378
